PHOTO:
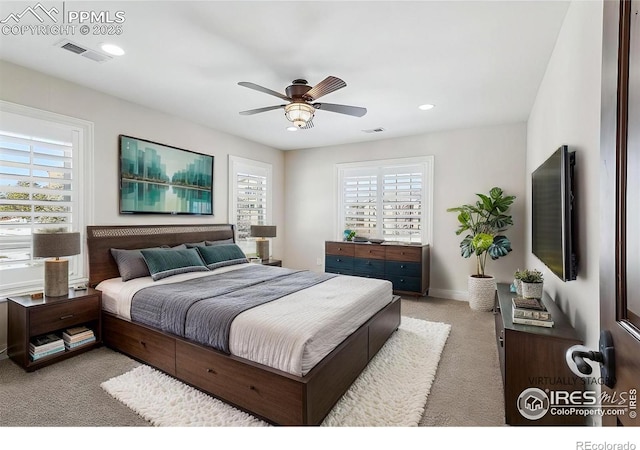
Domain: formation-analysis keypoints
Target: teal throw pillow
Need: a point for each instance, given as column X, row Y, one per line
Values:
column 215, row 256
column 164, row 263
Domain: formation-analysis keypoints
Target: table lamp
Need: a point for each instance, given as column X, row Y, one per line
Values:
column 56, row 271
column 262, row 244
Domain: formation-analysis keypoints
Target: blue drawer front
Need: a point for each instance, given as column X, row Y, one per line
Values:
column 369, row 267
column 338, row 271
column 400, row 283
column 337, row 262
column 404, row 269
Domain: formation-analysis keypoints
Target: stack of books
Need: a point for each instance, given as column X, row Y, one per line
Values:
column 46, row 345
column 77, row 337
column 530, row 311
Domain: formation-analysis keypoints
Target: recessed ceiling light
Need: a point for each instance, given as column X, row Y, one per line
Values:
column 426, row 107
column 112, row 49
column 292, row 128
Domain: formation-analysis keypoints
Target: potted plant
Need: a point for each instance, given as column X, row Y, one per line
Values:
column 484, row 222
column 532, row 283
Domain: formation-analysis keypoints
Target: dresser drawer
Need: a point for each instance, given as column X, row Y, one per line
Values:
column 408, row 284
column 142, row 343
column 55, row 317
column 369, row 251
column 406, row 269
column 264, row 392
column 404, row 253
column 338, row 262
column 369, row 267
column 339, row 248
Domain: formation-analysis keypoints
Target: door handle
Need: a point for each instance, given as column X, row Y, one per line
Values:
column 605, row 357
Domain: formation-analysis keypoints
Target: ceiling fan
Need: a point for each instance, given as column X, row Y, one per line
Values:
column 301, row 97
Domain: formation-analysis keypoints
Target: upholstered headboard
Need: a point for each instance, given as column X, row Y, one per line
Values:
column 101, row 239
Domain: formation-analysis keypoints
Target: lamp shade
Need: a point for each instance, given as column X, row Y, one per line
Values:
column 264, row 231
column 50, row 245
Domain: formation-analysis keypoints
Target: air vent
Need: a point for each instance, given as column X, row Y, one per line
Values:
column 374, row 130
column 82, row 51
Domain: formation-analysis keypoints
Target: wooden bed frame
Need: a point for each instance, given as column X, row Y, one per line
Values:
column 273, row 395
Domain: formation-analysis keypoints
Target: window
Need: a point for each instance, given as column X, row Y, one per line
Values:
column 41, row 188
column 250, row 202
column 388, row 200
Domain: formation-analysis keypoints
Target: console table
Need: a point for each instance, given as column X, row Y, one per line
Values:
column 534, row 357
column 405, row 265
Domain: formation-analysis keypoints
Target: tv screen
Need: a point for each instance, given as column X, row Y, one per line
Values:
column 553, row 214
column 160, row 179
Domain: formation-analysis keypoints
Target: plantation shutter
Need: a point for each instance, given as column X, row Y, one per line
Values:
column 250, row 198
column 402, row 204
column 360, row 201
column 36, row 192
column 385, row 200
column 251, row 202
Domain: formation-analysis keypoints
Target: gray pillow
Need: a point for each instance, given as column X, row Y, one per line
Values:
column 130, row 263
column 215, row 256
column 220, row 242
column 164, row 263
column 195, row 244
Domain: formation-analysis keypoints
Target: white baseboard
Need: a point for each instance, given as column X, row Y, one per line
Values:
column 449, row 294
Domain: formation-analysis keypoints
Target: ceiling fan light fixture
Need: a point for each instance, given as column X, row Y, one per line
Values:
column 299, row 113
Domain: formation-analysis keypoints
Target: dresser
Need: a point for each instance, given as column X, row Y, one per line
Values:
column 533, row 357
column 405, row 265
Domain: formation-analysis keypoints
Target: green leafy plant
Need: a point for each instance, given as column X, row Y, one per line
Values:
column 518, row 274
column 484, row 224
column 531, row 276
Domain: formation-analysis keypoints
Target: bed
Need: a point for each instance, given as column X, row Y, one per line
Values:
column 252, row 372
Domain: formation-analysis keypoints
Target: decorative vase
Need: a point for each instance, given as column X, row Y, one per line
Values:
column 518, row 284
column 532, row 290
column 482, row 293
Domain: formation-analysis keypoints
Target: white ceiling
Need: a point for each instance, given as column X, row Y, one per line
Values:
column 479, row 62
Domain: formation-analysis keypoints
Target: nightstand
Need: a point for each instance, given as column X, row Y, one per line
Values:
column 29, row 317
column 272, row 262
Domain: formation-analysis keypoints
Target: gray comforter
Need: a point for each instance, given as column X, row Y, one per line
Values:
column 202, row 309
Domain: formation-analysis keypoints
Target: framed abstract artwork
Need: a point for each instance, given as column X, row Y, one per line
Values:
column 161, row 179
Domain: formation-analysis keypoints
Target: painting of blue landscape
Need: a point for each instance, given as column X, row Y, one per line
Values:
column 160, row 179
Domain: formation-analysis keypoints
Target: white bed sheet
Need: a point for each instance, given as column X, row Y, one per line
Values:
column 292, row 333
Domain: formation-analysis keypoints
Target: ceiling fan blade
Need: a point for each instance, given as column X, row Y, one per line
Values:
column 259, row 110
column 326, row 86
column 263, row 89
column 342, row 109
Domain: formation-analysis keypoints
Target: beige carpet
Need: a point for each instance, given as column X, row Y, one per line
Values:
column 467, row 389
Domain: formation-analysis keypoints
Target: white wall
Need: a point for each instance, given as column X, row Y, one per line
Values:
column 567, row 111
column 113, row 116
column 465, row 162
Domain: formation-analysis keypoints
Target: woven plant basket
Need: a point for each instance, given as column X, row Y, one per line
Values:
column 482, row 293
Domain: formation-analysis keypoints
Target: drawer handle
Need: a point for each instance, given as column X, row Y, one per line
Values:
column 211, row 371
column 68, row 316
column 402, row 266
column 501, row 338
column 338, row 260
column 143, row 343
column 339, row 248
column 253, row 388
column 401, row 280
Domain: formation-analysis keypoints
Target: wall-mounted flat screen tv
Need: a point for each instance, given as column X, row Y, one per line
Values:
column 553, row 214
column 161, row 179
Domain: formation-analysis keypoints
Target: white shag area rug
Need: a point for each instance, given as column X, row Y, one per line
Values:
column 391, row 391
